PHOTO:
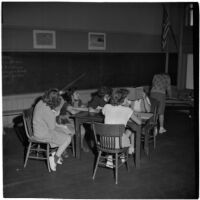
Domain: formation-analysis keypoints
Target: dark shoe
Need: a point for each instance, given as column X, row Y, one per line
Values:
column 85, row 149
column 65, row 154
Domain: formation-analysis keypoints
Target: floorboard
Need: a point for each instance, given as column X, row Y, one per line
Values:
column 169, row 172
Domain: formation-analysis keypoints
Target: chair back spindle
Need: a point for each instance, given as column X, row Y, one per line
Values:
column 108, row 140
column 27, row 118
column 108, row 136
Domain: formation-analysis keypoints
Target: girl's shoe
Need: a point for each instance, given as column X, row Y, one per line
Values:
column 109, row 162
column 155, row 131
column 122, row 157
column 162, row 130
column 131, row 150
column 60, row 161
column 85, row 149
column 52, row 162
column 65, row 154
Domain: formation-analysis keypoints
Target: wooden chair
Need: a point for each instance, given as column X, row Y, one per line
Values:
column 37, row 149
column 108, row 140
column 148, row 132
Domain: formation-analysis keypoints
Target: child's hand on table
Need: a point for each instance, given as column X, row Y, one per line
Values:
column 93, row 110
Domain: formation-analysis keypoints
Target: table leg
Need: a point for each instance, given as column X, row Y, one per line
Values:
column 78, row 138
column 146, row 141
column 138, row 143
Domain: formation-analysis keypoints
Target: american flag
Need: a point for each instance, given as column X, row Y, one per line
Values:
column 165, row 28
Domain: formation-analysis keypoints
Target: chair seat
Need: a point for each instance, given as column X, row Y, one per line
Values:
column 112, row 150
column 35, row 139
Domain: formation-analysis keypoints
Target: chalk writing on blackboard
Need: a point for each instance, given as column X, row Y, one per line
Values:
column 12, row 70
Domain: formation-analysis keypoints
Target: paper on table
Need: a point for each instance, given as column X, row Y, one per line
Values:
column 135, row 93
column 139, row 92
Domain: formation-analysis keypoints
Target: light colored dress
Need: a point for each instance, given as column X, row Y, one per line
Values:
column 139, row 105
column 160, row 84
column 44, row 126
column 118, row 115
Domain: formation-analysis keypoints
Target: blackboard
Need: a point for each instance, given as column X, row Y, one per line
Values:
column 30, row 72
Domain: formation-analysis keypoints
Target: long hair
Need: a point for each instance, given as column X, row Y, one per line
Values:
column 103, row 91
column 118, row 97
column 52, row 98
column 67, row 96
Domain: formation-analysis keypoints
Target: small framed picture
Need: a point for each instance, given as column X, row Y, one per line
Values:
column 96, row 41
column 44, row 39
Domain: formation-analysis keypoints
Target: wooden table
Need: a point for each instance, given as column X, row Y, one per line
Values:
column 84, row 117
column 180, row 104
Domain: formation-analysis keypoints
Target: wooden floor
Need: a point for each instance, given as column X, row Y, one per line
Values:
column 168, row 173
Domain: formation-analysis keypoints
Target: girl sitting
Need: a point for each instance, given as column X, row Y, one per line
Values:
column 101, row 98
column 72, row 105
column 141, row 104
column 118, row 113
column 44, row 125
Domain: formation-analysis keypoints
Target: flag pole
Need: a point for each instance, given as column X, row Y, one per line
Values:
column 174, row 37
column 167, row 49
column 166, row 61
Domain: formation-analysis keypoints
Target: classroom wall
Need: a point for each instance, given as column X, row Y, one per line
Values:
column 77, row 41
column 129, row 27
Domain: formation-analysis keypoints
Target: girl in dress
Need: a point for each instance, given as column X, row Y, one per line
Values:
column 45, row 128
column 118, row 113
column 72, row 105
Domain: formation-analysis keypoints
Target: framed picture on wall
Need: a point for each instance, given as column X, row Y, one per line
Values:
column 44, row 39
column 96, row 41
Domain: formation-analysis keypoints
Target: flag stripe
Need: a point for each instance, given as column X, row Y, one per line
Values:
column 165, row 28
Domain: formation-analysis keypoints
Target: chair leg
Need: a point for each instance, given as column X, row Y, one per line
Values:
column 96, row 166
column 38, row 150
column 73, row 147
column 127, row 166
column 146, row 142
column 154, row 142
column 27, row 153
column 48, row 152
column 116, row 168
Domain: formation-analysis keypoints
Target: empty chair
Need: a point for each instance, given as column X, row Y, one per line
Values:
column 149, row 132
column 108, row 140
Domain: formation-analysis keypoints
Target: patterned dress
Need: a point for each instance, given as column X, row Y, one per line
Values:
column 160, row 84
